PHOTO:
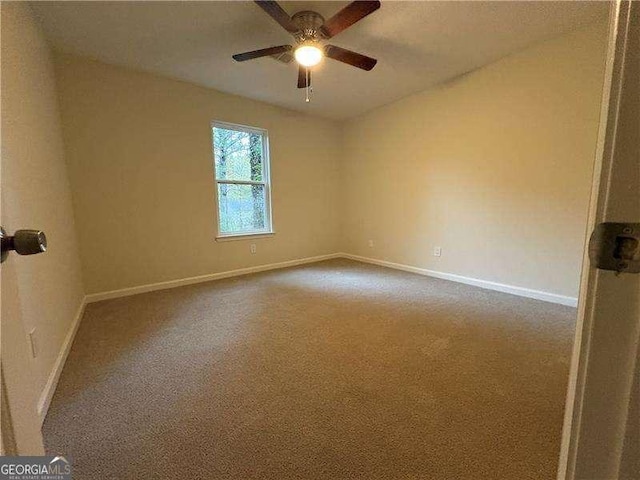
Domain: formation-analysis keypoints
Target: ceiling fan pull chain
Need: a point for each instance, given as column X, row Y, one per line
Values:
column 308, row 89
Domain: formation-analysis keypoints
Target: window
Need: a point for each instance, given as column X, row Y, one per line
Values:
column 241, row 170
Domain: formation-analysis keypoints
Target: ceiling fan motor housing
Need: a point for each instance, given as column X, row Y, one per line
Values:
column 308, row 24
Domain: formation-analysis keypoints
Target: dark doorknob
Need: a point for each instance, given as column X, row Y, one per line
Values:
column 24, row 242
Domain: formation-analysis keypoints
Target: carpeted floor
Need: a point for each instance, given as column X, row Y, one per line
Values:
column 335, row 370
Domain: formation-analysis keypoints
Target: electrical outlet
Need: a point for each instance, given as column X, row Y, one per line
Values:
column 32, row 343
column 437, row 251
column 370, row 243
column 252, row 248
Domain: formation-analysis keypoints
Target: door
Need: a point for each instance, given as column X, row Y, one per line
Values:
column 601, row 437
column 19, row 421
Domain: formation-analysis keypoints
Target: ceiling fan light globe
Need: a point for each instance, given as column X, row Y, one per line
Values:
column 308, row 55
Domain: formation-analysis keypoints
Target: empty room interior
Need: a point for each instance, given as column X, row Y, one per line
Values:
column 298, row 239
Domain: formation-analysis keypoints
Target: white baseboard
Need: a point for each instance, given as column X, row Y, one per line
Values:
column 125, row 292
column 52, row 382
column 500, row 287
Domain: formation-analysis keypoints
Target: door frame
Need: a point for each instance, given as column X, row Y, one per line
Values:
column 619, row 60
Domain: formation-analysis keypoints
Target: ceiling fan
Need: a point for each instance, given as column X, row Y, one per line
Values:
column 309, row 30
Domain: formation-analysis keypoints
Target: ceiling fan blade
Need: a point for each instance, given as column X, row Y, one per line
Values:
column 275, row 11
column 346, row 17
column 302, row 77
column 264, row 52
column 349, row 57
column 286, row 57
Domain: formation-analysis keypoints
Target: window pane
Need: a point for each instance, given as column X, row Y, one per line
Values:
column 242, row 208
column 238, row 155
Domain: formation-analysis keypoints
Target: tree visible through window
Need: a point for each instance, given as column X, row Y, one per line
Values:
column 241, row 168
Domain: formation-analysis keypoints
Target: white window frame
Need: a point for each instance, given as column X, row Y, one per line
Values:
column 266, row 181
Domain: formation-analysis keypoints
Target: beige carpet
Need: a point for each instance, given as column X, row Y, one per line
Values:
column 336, row 370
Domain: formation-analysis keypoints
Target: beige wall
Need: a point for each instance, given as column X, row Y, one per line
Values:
column 140, row 164
column 495, row 167
column 45, row 291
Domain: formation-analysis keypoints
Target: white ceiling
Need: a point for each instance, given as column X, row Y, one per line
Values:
column 417, row 44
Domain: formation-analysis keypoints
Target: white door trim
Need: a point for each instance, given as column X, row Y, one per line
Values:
column 618, row 60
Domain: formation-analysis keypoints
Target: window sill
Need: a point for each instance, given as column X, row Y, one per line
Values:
column 244, row 236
